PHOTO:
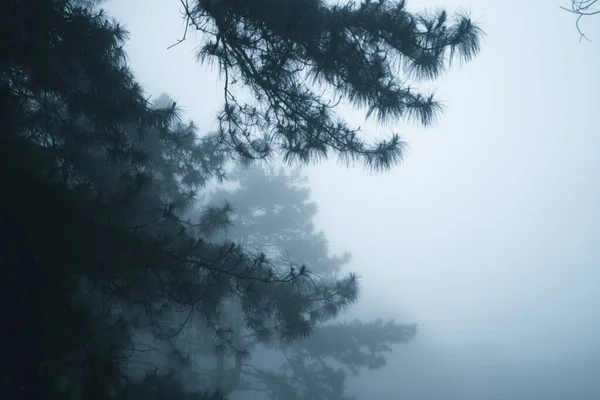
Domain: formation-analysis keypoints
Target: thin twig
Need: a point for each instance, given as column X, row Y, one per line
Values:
column 581, row 9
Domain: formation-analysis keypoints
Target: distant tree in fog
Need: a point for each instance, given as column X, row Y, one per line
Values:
column 274, row 213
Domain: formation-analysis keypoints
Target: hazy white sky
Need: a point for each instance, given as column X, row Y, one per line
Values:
column 488, row 234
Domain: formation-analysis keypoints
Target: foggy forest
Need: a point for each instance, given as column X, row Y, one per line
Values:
column 299, row 200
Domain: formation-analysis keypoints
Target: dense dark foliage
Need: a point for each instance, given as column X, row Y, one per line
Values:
column 105, row 256
column 288, row 52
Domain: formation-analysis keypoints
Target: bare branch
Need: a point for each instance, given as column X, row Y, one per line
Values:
column 582, row 8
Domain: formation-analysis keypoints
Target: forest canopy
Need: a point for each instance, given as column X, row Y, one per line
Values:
column 122, row 274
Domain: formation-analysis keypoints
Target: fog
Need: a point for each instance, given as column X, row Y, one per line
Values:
column 487, row 234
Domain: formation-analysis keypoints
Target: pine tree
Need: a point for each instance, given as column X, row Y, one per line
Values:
column 87, row 164
column 95, row 185
column 100, row 246
column 274, row 212
column 299, row 58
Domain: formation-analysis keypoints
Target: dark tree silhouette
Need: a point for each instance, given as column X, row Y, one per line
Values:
column 103, row 253
column 290, row 54
column 95, row 186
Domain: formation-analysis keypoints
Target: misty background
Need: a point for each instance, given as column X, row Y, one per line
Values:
column 487, row 234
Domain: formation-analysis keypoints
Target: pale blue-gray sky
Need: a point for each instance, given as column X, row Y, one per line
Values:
column 488, row 233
